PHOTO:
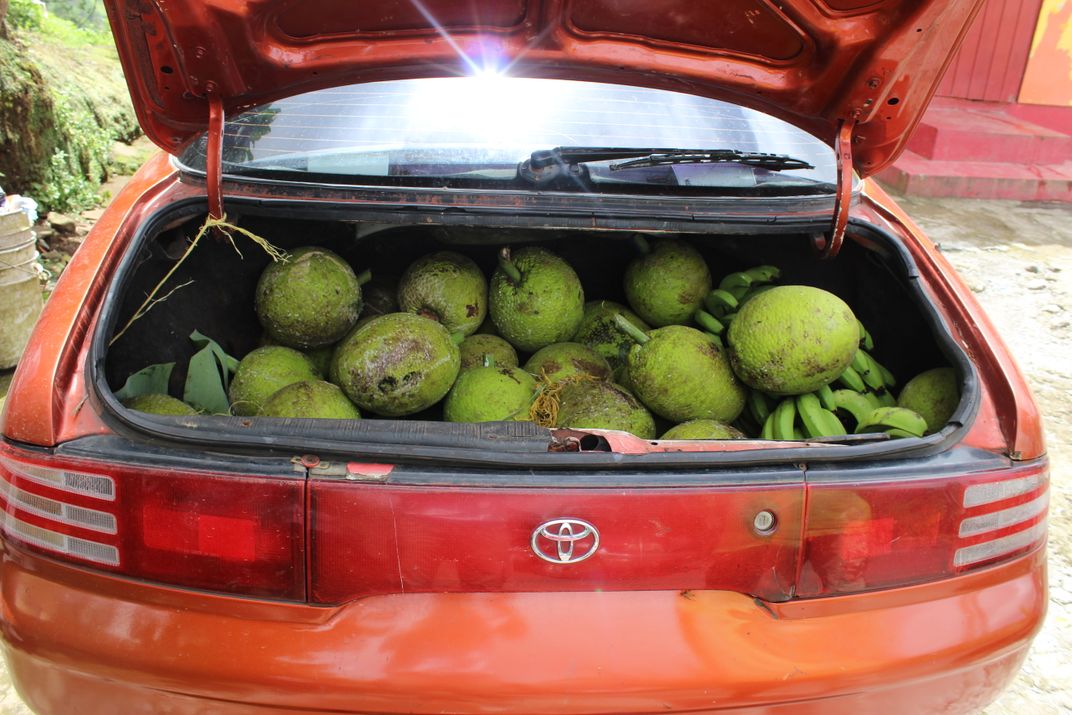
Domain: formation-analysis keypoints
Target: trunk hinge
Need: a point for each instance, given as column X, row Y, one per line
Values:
column 214, row 160
column 829, row 244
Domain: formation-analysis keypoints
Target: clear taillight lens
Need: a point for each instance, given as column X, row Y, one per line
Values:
column 241, row 534
column 1002, row 518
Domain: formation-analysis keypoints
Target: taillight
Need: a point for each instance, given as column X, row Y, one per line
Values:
column 240, row 534
column 863, row 537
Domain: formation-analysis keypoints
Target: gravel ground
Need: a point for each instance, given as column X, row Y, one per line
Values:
column 1018, row 260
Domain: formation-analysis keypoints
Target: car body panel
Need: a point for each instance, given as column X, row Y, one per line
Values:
column 948, row 646
column 815, row 63
column 462, row 539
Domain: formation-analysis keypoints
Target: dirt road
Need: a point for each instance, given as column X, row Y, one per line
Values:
column 1018, row 260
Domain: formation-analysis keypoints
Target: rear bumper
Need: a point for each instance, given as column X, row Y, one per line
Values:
column 79, row 642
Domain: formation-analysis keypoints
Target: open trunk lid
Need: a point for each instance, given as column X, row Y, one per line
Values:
column 822, row 65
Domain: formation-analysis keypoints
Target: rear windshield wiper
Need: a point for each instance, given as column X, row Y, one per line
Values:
column 771, row 162
column 567, row 155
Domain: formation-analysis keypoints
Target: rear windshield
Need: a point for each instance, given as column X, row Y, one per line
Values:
column 483, row 127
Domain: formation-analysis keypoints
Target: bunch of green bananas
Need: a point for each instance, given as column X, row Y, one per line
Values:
column 796, row 417
column 736, row 289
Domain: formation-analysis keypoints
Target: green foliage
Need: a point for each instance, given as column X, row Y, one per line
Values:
column 67, row 22
column 208, row 375
column 63, row 102
column 72, row 179
column 86, row 14
column 25, row 15
column 152, row 380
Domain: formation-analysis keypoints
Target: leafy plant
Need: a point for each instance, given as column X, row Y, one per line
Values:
column 25, row 15
column 72, row 178
column 208, row 375
column 64, row 21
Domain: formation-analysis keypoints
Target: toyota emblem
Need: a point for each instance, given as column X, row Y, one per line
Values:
column 565, row 541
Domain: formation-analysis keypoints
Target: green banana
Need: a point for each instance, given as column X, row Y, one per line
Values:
column 808, row 408
column 885, row 375
column 861, row 363
column 851, row 379
column 708, row 322
column 798, row 435
column 717, row 339
column 888, row 380
column 768, row 427
column 785, row 415
column 872, row 399
column 865, row 338
column 736, row 283
column 818, row 422
column 826, row 397
column 764, row 274
column 759, row 406
column 900, row 418
column 855, row 404
column 833, row 427
column 719, row 302
column 897, row 433
column 885, row 398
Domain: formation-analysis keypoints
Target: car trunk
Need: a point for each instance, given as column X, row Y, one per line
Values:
column 327, row 511
column 873, row 274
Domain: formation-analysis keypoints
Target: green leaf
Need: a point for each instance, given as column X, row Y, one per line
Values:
column 228, row 364
column 152, row 380
column 208, row 376
column 204, row 384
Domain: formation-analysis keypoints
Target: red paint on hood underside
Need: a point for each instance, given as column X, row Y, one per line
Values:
column 810, row 62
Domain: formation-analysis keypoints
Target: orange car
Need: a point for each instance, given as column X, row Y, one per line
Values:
column 228, row 564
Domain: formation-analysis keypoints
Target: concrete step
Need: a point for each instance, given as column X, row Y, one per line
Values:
column 964, row 130
column 916, row 175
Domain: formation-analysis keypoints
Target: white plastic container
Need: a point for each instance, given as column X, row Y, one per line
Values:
column 20, row 287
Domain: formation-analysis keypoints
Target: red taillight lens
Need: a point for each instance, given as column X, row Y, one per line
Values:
column 896, row 533
column 241, row 534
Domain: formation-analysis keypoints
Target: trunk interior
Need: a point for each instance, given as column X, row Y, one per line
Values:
column 871, row 274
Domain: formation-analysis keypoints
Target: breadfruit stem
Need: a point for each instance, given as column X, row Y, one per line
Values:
column 631, row 330
column 508, row 266
column 641, row 244
column 489, row 360
column 364, row 276
column 708, row 322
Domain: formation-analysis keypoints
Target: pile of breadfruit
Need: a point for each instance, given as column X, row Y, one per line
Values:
column 748, row 358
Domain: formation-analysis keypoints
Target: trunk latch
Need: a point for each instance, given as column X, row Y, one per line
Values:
column 350, row 471
column 829, row 244
column 214, row 160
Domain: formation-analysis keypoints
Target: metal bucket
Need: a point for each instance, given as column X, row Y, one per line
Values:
column 20, row 288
